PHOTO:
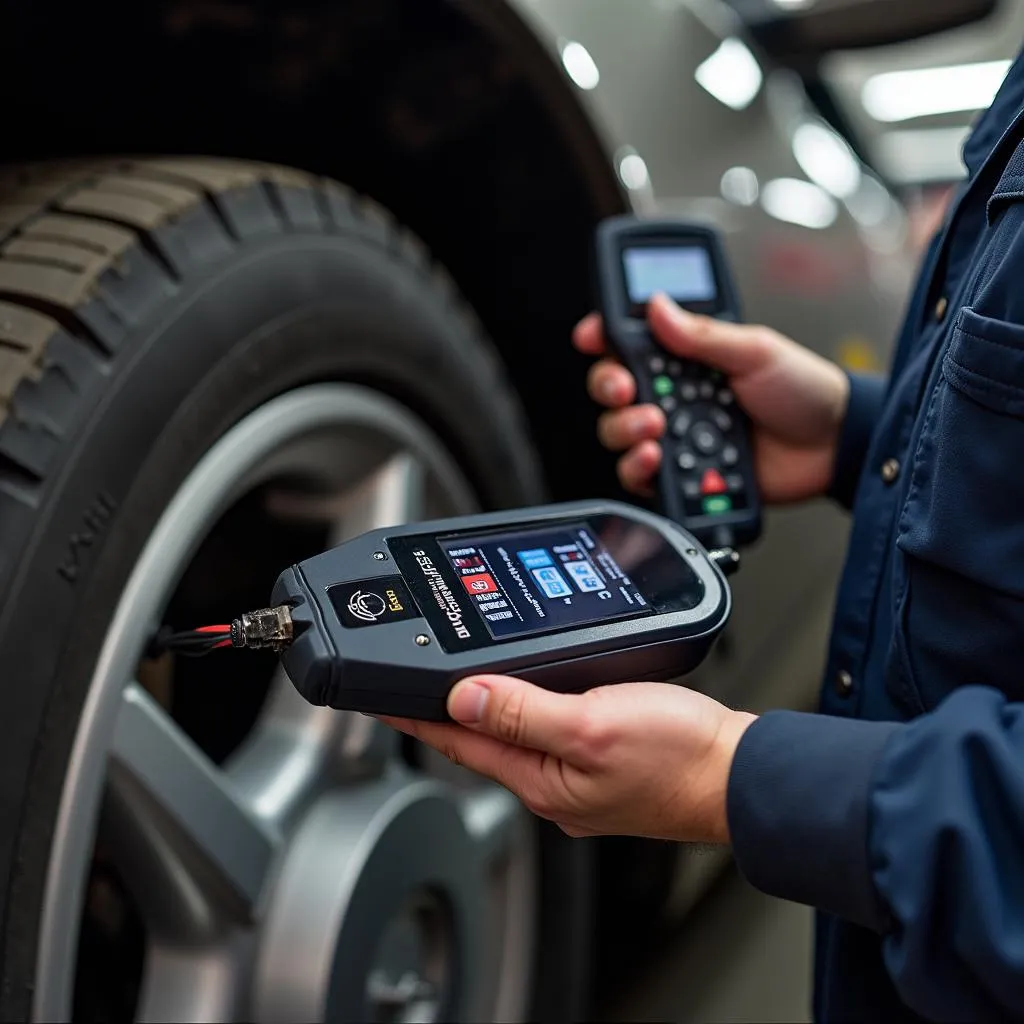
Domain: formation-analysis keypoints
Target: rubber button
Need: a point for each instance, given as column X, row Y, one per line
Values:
column 730, row 455
column 656, row 364
column 718, row 505
column 713, row 483
column 688, row 391
column 663, row 385
column 687, row 461
column 681, row 423
column 706, row 439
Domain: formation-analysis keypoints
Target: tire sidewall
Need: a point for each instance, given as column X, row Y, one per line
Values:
column 282, row 313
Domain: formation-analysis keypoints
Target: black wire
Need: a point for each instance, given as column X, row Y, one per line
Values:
column 189, row 643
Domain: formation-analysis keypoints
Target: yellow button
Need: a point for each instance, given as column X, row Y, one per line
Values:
column 940, row 309
column 844, row 683
column 890, row 470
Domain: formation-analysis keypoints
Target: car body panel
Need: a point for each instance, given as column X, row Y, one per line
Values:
column 838, row 288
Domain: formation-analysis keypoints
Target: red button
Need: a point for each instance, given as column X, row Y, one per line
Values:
column 480, row 583
column 713, row 483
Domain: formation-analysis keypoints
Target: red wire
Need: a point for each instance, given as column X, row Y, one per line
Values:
column 214, row 629
column 223, row 643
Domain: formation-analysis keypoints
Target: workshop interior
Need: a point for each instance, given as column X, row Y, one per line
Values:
column 293, row 436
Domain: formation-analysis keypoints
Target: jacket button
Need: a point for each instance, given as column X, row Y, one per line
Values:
column 890, row 470
column 844, row 683
column 940, row 309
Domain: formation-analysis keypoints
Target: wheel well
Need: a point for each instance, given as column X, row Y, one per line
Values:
column 457, row 121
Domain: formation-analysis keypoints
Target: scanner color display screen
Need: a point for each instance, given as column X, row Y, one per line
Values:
column 684, row 273
column 542, row 579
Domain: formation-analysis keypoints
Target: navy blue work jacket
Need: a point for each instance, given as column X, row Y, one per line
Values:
column 898, row 811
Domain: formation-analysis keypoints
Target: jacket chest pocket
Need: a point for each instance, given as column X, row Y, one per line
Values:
column 959, row 568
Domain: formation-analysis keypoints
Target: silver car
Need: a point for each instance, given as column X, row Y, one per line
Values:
column 273, row 274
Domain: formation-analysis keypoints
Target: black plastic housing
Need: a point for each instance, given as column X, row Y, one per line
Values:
column 402, row 668
column 630, row 338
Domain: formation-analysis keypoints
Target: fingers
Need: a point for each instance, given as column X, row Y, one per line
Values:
column 588, row 336
column 518, row 713
column 731, row 348
column 626, row 428
column 638, row 468
column 611, row 384
column 514, row 767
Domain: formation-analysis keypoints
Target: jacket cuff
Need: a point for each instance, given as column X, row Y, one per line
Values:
column 797, row 807
column 867, row 392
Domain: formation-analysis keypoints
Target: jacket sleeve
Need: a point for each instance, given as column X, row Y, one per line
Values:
column 914, row 830
column 867, row 392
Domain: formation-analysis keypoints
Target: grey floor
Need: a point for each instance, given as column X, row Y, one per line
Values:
column 741, row 957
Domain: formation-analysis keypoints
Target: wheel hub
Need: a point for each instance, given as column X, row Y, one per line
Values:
column 375, row 914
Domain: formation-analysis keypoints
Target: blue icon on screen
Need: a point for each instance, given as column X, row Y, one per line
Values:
column 552, row 583
column 538, row 558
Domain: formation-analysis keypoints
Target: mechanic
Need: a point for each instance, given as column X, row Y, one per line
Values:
column 898, row 811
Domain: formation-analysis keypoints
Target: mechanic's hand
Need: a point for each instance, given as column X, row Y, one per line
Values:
column 638, row 759
column 795, row 398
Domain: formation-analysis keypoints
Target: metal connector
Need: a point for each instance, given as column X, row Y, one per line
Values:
column 267, row 628
column 727, row 559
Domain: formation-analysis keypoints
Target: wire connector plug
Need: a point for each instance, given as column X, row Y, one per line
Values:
column 267, row 628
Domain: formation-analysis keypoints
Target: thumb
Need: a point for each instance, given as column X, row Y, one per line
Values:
column 516, row 712
column 731, row 348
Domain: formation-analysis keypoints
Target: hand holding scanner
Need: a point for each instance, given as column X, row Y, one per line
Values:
column 567, row 596
column 707, row 481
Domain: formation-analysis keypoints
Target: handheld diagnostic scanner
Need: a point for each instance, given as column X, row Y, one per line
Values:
column 568, row 596
column 707, row 481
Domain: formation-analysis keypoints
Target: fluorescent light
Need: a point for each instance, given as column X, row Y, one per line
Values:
column 799, row 202
column 731, row 74
column 826, row 159
column 739, row 185
column 913, row 156
column 633, row 172
column 902, row 95
column 794, row 5
column 580, row 66
column 871, row 206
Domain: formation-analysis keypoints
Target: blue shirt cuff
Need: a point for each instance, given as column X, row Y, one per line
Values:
column 867, row 392
column 798, row 802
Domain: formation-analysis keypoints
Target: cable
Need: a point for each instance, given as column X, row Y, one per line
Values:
column 268, row 628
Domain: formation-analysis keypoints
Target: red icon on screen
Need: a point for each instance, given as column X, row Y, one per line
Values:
column 468, row 563
column 481, row 583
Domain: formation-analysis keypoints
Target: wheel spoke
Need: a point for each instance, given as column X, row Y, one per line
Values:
column 190, row 849
column 297, row 751
column 394, row 494
column 495, row 819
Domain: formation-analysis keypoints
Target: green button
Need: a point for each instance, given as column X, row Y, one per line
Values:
column 663, row 386
column 717, row 505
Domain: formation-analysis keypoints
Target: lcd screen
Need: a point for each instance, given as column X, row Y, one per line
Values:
column 684, row 273
column 542, row 579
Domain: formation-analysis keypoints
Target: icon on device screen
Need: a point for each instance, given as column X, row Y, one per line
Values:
column 537, row 558
column 585, row 577
column 481, row 583
column 552, row 582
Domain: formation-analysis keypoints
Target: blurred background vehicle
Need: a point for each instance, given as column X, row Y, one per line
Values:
column 214, row 360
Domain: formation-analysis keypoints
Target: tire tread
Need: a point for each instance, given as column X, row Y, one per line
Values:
column 77, row 237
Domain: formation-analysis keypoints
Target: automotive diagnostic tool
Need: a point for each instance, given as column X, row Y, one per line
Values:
column 707, row 480
column 568, row 596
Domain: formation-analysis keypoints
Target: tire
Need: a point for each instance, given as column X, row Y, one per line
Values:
column 147, row 307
